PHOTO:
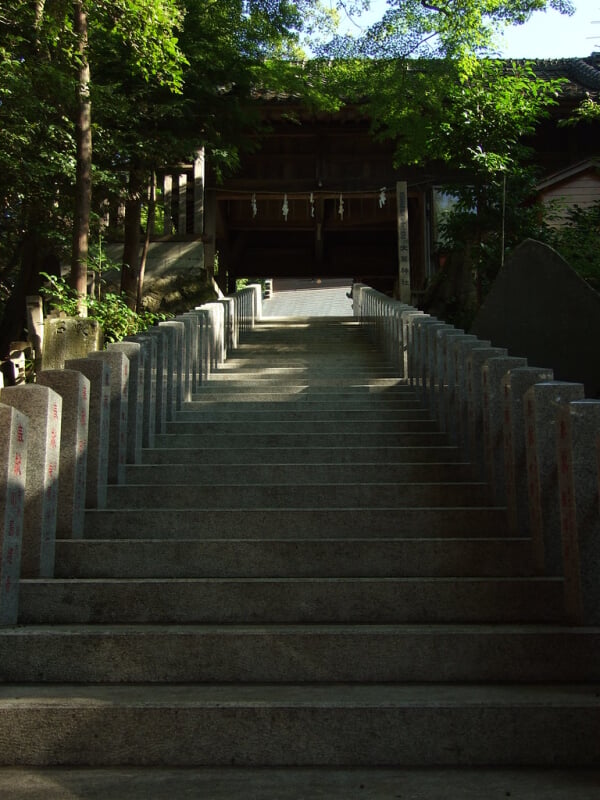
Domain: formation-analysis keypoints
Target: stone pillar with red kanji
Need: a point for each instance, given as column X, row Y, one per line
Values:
column 98, row 374
column 43, row 406
column 118, row 364
column 135, row 394
column 515, row 383
column 541, row 406
column 74, row 388
column 13, row 470
column 492, row 387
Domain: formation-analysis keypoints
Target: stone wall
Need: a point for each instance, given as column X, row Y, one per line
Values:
column 541, row 309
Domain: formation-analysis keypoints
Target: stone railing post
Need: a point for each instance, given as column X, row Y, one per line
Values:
column 578, row 427
column 256, row 288
column 206, row 354
column 135, row 397
column 43, row 407
column 178, row 386
column 98, row 374
column 149, row 351
column 161, row 340
column 419, row 338
column 74, row 388
column 516, row 382
column 542, row 403
column 476, row 361
column 408, row 317
column 492, row 379
column 445, row 371
column 461, row 347
column 118, row 364
column 228, row 323
column 188, row 333
column 13, row 472
column 195, row 345
column 169, row 343
column 433, row 376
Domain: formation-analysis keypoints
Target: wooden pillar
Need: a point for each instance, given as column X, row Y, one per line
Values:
column 210, row 231
column 182, row 215
column 198, row 176
column 168, row 204
column 404, row 287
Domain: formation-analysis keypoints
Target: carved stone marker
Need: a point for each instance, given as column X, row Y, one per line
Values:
column 516, row 382
column 492, row 377
column 13, row 470
column 69, row 337
column 135, row 394
column 119, row 389
column 43, row 406
column 98, row 374
column 74, row 388
column 542, row 404
column 149, row 345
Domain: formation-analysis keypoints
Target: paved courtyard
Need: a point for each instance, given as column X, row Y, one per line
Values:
column 309, row 297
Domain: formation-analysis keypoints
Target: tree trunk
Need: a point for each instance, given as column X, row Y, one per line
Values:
column 131, row 246
column 83, row 175
column 149, row 232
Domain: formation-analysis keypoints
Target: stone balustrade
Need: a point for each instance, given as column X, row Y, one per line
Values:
column 66, row 437
column 534, row 439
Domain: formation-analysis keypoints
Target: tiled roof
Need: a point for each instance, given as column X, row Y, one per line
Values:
column 582, row 73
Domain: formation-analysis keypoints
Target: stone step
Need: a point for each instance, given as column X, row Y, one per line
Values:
column 279, row 412
column 302, row 401
column 409, row 523
column 274, row 725
column 257, row 473
column 327, row 384
column 313, row 427
column 325, row 381
column 290, row 600
column 299, row 654
column 290, row 496
column 250, row 440
column 338, row 368
column 349, row 454
column 301, row 558
column 289, row 783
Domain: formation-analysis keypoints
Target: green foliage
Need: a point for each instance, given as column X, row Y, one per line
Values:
column 455, row 29
column 587, row 111
column 473, row 115
column 110, row 309
column 491, row 220
column 575, row 234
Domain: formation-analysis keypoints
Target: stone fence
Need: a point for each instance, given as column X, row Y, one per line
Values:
column 535, row 440
column 67, row 436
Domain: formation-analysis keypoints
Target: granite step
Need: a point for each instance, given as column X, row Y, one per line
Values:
column 248, row 439
column 300, row 558
column 277, row 523
column 302, row 399
column 242, row 496
column 290, row 600
column 163, row 654
column 291, row 783
column 312, row 725
column 297, row 473
column 312, row 427
column 347, row 454
column 278, row 412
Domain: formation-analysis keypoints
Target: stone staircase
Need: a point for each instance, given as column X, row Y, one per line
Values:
column 302, row 591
